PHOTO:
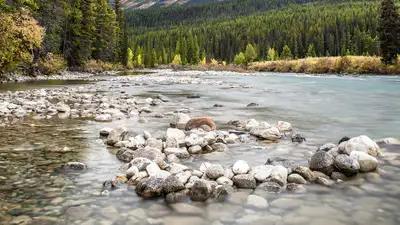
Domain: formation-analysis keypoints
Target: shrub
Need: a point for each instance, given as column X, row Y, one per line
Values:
column 52, row 64
column 239, row 59
column 97, row 66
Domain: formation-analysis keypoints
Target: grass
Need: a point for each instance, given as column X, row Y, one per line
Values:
column 329, row 65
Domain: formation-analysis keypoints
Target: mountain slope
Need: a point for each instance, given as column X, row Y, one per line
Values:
column 145, row 4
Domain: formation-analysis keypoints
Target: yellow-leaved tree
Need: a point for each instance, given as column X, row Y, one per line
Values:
column 20, row 34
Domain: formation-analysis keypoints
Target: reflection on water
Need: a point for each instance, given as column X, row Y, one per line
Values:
column 35, row 191
column 39, row 84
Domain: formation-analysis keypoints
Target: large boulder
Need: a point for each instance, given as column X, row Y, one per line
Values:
column 322, row 162
column 367, row 162
column 200, row 191
column 347, row 165
column 244, row 181
column 362, row 144
column 179, row 120
column 150, row 187
column 215, row 171
column 271, row 134
column 284, row 126
column 240, row 167
column 116, row 135
column 198, row 122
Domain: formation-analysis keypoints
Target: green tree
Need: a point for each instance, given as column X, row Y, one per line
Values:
column 311, row 51
column 129, row 63
column 286, row 53
column 250, row 54
column 240, row 59
column 271, row 54
column 153, row 60
column 177, row 60
column 389, row 28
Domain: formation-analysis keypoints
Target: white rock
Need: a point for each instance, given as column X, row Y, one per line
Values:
column 362, row 144
column 179, row 120
column 256, row 201
column 240, row 167
column 193, row 139
column 284, row 126
column 204, row 166
column 367, row 162
column 152, row 168
column 103, row 118
column 261, row 172
column 251, row 124
column 176, row 134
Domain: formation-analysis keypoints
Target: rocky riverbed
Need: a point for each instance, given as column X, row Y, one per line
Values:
column 188, row 147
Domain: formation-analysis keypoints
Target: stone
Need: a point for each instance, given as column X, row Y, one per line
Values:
column 60, row 107
column 222, row 192
column 150, row 187
column 140, row 163
column 74, row 166
column 326, row 147
column 154, row 143
column 219, row 147
column 253, row 104
column 240, row 167
column 172, row 159
column 367, row 162
column 78, row 212
column 319, row 174
column 256, row 202
column 215, row 171
column 324, row 181
column 343, row 139
column 252, row 123
column 338, row 176
column 200, row 191
column 228, row 173
column 287, row 163
column 270, row 186
column 179, row 120
column 178, row 196
column 204, row 166
column 197, row 173
column 305, row 172
column 296, row 178
column 152, row 168
column 347, row 165
column 198, row 122
column 116, row 135
column 132, row 171
column 299, row 138
column 185, row 208
column 177, row 135
column 388, row 141
column 279, row 175
column 184, row 176
column 322, row 162
column 284, row 126
column 103, row 118
column 181, row 153
column 362, row 144
column 224, row 180
column 195, row 149
column 244, row 181
column 105, row 131
column 149, row 153
column 134, row 180
column 297, row 188
column 175, row 168
column 173, row 184
column 193, row 139
column 286, row 203
column 271, row 134
column 210, row 137
column 261, row 172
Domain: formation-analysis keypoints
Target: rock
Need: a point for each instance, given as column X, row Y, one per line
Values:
column 253, row 104
column 270, row 186
column 229, row 173
column 347, row 165
column 78, row 212
column 251, row 124
column 146, row 135
column 210, row 137
column 198, row 122
column 343, row 139
column 172, row 159
column 338, row 176
column 205, row 128
column 103, row 118
column 219, row 147
column 389, row 141
column 175, row 168
column 175, row 197
column 105, row 131
column 173, row 184
column 140, row 163
column 74, row 166
column 116, row 135
column 204, row 166
column 150, row 187
column 326, row 147
column 224, row 180
column 319, row 174
column 287, row 163
column 163, row 98
column 60, row 107
column 149, row 153
column 261, row 172
column 160, row 135
column 193, row 139
column 161, row 174
column 298, row 138
column 142, row 120
column 197, row 173
column 322, row 162
column 284, row 126
column 181, row 153
column 196, row 149
column 305, row 172
column 279, row 175
column 193, row 96
column 177, row 135
column 324, row 181
column 297, row 188
column 240, row 167
column 134, row 180
column 184, row 176
column 154, row 143
column 244, row 181
column 222, row 192
column 152, row 168
column 185, row 208
column 145, row 110
column 256, row 202
column 200, row 191
column 296, row 178
column 367, row 162
column 132, row 171
column 271, row 134
column 218, row 105
column 214, row 171
column 179, row 120
column 362, row 144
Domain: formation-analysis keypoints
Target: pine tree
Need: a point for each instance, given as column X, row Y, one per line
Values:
column 240, row 59
column 311, row 51
column 164, row 57
column 177, row 60
column 129, row 58
column 286, row 53
column 183, row 51
column 389, row 28
column 271, row 54
column 153, row 58
column 250, row 54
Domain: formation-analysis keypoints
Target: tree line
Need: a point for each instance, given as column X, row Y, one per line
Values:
column 296, row 31
column 70, row 32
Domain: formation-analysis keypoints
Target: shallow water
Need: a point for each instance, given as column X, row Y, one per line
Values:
column 322, row 108
column 32, row 84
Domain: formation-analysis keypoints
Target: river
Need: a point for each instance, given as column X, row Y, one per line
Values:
column 322, row 108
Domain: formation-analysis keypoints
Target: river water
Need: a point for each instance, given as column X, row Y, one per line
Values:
column 322, row 108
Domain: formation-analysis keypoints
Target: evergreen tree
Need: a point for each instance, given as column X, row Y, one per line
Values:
column 286, row 53
column 164, row 57
column 239, row 59
column 271, row 54
column 129, row 58
column 183, row 51
column 250, row 54
column 153, row 58
column 177, row 60
column 311, row 51
column 389, row 28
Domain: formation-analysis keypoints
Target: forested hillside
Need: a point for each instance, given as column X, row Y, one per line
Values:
column 321, row 28
column 144, row 4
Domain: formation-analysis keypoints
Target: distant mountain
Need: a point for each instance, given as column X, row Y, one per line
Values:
column 144, row 4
